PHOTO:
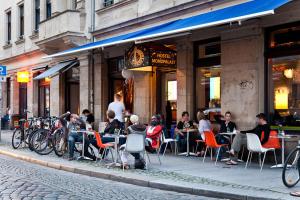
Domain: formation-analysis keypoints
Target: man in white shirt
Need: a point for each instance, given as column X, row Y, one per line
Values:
column 118, row 107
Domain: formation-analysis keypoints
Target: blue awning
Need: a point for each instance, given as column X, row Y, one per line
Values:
column 53, row 71
column 240, row 12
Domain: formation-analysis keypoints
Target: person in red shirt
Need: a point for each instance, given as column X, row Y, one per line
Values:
column 154, row 131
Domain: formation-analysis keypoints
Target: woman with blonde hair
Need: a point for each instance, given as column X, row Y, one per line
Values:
column 204, row 125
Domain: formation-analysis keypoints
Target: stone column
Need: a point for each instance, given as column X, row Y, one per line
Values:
column 4, row 98
column 144, row 97
column 30, row 97
column 185, row 78
column 84, row 82
column 101, row 87
column 14, row 95
column 35, row 99
column 242, row 76
column 56, row 96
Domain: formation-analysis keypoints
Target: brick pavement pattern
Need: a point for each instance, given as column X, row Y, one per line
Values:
column 22, row 180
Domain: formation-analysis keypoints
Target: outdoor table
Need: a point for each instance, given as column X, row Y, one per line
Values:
column 282, row 137
column 231, row 134
column 83, row 143
column 188, row 131
column 116, row 151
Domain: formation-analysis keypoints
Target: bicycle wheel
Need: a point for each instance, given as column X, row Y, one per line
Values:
column 59, row 143
column 290, row 173
column 16, row 139
column 42, row 142
column 30, row 141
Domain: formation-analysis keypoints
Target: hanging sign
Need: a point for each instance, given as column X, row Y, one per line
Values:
column 148, row 56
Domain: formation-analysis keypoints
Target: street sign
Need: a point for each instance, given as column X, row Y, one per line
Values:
column 3, row 71
column 3, row 74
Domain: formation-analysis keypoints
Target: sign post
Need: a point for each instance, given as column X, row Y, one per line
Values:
column 3, row 74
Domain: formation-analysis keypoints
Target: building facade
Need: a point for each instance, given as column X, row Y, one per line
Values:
column 245, row 67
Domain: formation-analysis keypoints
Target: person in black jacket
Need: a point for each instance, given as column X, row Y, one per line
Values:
column 241, row 139
column 226, row 125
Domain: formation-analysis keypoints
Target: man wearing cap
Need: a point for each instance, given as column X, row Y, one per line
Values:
column 241, row 138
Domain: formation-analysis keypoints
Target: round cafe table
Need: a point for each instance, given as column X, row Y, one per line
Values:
column 231, row 134
column 188, row 131
column 283, row 138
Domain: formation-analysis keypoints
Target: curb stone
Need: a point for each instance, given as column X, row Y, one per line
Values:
column 133, row 181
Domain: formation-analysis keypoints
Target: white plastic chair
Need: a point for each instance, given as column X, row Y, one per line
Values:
column 135, row 143
column 167, row 141
column 254, row 146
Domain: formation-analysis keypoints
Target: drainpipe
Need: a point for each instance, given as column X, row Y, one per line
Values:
column 92, row 66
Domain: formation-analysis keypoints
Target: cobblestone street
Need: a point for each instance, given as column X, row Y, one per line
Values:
column 21, row 180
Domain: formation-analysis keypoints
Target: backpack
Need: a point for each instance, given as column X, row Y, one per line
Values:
column 139, row 164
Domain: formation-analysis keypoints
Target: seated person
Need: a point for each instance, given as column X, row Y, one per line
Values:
column 153, row 134
column 204, row 125
column 241, row 138
column 226, row 125
column 75, row 136
column 113, row 123
column 136, row 127
column 90, row 119
column 183, row 124
column 110, row 128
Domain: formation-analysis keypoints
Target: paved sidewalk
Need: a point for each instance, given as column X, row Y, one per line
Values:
column 181, row 174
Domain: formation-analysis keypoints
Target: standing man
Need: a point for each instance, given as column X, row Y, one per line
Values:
column 118, row 107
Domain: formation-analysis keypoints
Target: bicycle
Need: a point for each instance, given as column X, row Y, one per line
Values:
column 291, row 168
column 22, row 132
column 42, row 140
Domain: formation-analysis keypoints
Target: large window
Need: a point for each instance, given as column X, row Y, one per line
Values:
column 285, row 90
column 283, row 56
column 36, row 14
column 21, row 21
column 208, row 73
column 8, row 27
column 208, row 87
column 48, row 9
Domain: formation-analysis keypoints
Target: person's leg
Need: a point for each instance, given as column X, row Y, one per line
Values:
column 79, row 138
column 238, row 141
column 71, row 144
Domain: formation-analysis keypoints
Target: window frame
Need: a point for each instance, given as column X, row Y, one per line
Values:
column 21, row 21
column 37, row 14
column 8, row 27
column 48, row 9
column 107, row 3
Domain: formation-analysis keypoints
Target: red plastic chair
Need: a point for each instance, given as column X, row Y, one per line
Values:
column 273, row 141
column 211, row 143
column 105, row 147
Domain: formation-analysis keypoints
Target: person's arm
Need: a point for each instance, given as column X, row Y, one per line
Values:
column 201, row 126
column 250, row 131
column 63, row 116
column 157, row 130
column 266, row 131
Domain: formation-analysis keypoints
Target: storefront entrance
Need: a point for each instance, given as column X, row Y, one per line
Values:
column 44, row 97
column 72, row 90
column 23, row 99
column 118, row 84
